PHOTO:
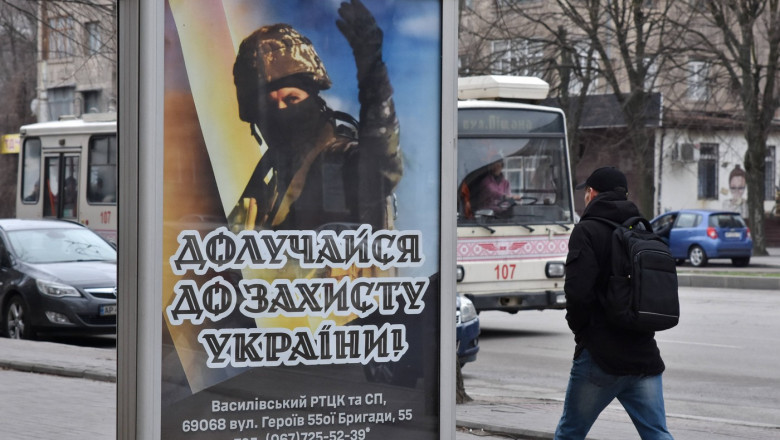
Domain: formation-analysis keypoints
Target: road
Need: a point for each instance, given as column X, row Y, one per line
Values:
column 721, row 359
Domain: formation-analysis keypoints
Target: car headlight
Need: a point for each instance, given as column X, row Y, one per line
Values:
column 555, row 269
column 467, row 310
column 56, row 289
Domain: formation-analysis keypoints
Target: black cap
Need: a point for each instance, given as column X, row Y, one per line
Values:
column 605, row 179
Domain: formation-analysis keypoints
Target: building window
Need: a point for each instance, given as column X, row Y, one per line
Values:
column 464, row 65
column 91, row 100
column 60, row 33
column 652, row 73
column 586, row 64
column 698, row 80
column 60, row 102
column 769, row 173
column 708, row 172
column 93, row 37
column 517, row 57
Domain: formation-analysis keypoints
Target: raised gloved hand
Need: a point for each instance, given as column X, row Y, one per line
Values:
column 364, row 36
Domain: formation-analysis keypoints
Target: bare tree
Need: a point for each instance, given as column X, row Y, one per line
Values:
column 17, row 63
column 626, row 42
column 741, row 41
column 590, row 46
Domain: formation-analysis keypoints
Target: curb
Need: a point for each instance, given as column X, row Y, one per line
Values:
column 729, row 282
column 33, row 367
column 517, row 433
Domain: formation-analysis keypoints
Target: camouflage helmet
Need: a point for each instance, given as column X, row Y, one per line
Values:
column 269, row 54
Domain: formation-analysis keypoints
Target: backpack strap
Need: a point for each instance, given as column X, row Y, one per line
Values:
column 606, row 221
column 634, row 221
column 628, row 224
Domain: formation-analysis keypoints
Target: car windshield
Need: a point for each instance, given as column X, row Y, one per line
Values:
column 60, row 245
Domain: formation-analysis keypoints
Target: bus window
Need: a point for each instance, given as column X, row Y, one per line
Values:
column 102, row 163
column 513, row 180
column 31, row 171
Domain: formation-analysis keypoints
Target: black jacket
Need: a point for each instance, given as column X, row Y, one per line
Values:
column 617, row 351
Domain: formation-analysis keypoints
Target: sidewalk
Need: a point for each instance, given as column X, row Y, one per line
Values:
column 531, row 418
column 489, row 416
column 762, row 273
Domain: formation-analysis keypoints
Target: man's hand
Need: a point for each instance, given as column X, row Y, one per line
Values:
column 364, row 36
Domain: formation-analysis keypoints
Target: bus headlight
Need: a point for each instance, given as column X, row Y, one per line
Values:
column 460, row 272
column 555, row 269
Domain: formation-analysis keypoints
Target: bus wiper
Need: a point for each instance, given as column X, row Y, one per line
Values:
column 480, row 217
column 530, row 229
column 492, row 231
column 517, row 223
column 563, row 225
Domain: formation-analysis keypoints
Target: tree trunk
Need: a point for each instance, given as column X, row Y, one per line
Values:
column 755, row 169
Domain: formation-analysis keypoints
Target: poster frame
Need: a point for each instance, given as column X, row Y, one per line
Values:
column 140, row 230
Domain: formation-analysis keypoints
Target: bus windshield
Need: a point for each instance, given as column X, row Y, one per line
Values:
column 517, row 180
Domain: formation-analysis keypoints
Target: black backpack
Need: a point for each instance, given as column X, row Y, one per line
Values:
column 642, row 291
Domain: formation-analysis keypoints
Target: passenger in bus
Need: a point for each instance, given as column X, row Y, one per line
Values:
column 321, row 166
column 492, row 192
column 69, row 197
column 33, row 196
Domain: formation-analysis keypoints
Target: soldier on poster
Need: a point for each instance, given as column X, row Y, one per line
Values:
column 321, row 167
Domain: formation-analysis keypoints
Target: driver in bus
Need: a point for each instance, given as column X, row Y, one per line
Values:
column 492, row 192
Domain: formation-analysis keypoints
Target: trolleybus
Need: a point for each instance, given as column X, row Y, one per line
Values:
column 68, row 170
column 515, row 207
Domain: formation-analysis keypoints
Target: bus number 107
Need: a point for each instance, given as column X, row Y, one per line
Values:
column 505, row 271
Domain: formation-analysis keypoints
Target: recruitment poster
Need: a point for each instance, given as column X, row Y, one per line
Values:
column 301, row 213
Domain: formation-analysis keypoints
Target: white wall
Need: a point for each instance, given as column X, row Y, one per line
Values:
column 677, row 181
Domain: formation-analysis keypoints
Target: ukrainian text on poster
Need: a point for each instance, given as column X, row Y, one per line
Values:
column 329, row 343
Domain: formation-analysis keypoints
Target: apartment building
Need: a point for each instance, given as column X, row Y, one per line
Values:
column 77, row 59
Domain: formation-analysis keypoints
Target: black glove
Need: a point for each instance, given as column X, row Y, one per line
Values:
column 364, row 36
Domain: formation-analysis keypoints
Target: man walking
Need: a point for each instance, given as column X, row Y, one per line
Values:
column 609, row 362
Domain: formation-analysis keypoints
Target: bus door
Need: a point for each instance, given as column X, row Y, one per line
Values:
column 61, row 185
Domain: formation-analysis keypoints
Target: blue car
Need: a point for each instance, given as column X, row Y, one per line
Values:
column 699, row 235
column 466, row 330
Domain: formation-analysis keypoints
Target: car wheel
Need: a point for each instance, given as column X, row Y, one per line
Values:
column 17, row 321
column 697, row 256
column 741, row 261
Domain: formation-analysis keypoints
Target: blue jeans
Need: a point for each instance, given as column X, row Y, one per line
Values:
column 591, row 390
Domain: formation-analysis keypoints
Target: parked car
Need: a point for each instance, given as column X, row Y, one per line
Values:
column 701, row 235
column 55, row 276
column 466, row 330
